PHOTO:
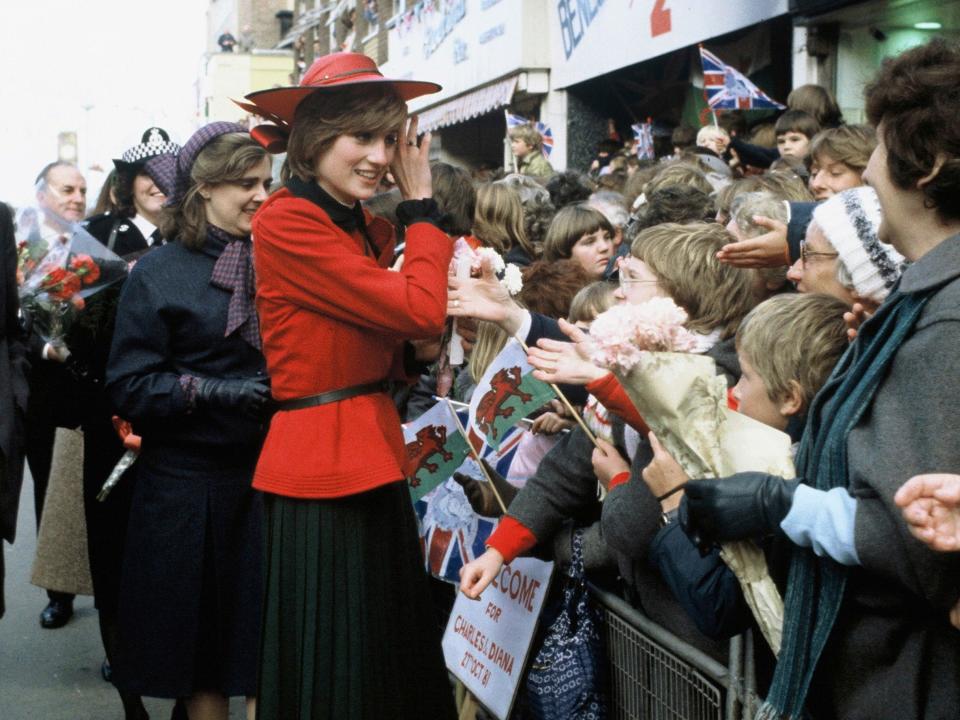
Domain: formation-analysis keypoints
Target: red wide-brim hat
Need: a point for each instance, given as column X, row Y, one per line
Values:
column 329, row 74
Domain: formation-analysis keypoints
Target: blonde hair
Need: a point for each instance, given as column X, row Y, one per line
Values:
column 323, row 117
column 569, row 225
column 490, row 341
column 498, row 219
column 794, row 337
column 590, row 301
column 716, row 296
column 851, row 145
column 225, row 159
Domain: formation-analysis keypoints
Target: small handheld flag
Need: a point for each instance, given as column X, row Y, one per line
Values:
column 506, row 393
column 435, row 448
column 726, row 88
column 643, row 132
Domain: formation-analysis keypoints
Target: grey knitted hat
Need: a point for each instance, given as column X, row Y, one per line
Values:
column 850, row 221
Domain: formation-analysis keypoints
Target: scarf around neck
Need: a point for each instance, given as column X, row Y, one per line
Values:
column 233, row 271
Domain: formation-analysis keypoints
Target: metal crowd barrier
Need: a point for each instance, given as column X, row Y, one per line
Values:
column 656, row 676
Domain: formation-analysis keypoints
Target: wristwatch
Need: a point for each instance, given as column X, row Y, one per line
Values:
column 668, row 517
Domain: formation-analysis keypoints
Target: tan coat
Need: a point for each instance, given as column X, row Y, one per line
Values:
column 61, row 562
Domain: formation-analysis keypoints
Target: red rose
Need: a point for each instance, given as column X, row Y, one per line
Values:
column 53, row 280
column 85, row 268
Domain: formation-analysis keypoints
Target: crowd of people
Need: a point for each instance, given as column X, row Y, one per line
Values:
column 272, row 334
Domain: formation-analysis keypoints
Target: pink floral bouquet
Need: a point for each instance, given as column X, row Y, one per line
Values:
column 623, row 334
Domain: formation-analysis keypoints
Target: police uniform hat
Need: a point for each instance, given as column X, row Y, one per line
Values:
column 155, row 141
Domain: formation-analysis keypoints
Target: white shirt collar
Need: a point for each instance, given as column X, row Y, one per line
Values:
column 145, row 227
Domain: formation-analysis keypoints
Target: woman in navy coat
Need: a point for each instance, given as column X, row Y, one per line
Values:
column 186, row 369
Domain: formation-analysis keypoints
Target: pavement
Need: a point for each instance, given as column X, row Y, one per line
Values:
column 55, row 674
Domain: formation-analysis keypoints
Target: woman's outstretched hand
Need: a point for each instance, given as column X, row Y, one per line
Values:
column 411, row 163
column 767, row 250
column 565, row 362
column 476, row 575
column 483, row 298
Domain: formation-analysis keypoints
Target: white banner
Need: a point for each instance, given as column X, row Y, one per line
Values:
column 486, row 641
column 593, row 37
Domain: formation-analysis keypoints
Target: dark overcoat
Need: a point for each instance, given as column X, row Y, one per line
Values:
column 191, row 582
column 13, row 388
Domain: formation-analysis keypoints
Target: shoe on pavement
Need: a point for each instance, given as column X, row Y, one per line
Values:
column 56, row 614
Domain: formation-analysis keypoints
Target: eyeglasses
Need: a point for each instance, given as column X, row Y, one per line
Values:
column 626, row 281
column 807, row 254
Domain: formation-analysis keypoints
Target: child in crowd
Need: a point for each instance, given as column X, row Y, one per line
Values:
column 581, row 233
column 838, row 157
column 525, row 143
column 786, row 347
column 795, row 129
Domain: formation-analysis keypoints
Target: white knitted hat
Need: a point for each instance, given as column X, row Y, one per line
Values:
column 850, row 221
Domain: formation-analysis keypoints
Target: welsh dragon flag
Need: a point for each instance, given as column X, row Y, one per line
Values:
column 506, row 393
column 435, row 448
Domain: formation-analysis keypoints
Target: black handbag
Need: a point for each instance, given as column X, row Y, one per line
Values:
column 567, row 678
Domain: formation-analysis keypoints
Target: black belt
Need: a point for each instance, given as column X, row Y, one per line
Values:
column 334, row 395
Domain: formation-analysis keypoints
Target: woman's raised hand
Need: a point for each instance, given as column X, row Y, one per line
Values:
column 565, row 362
column 476, row 575
column 411, row 163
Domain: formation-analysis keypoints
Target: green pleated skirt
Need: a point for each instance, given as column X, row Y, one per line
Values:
column 348, row 631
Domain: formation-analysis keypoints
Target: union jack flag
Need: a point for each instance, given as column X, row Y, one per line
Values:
column 727, row 88
column 643, row 132
column 546, row 134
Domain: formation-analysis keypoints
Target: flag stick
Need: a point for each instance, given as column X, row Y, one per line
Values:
column 715, row 123
column 476, row 456
column 566, row 403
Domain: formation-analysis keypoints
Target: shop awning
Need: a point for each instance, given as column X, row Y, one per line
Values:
column 469, row 105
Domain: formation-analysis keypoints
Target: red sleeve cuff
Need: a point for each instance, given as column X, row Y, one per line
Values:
column 610, row 393
column 511, row 538
column 618, row 479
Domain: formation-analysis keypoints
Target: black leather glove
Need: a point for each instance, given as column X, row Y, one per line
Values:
column 250, row 396
column 745, row 505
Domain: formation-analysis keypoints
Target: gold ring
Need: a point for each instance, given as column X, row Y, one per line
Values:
column 410, row 143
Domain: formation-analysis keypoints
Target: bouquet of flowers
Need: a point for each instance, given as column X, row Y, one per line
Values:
column 684, row 401
column 59, row 273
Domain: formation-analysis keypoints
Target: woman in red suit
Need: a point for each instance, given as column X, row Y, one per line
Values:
column 347, row 627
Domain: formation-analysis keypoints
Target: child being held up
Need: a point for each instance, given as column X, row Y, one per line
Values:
column 787, row 347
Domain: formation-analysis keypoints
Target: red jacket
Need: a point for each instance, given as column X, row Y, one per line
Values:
column 330, row 318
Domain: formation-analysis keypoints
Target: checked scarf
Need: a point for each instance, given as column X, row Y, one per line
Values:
column 233, row 271
column 816, row 584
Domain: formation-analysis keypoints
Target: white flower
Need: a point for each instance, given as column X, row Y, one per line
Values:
column 495, row 261
column 512, row 279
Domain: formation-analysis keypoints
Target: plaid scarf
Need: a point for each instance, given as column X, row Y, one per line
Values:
column 233, row 271
column 816, row 584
